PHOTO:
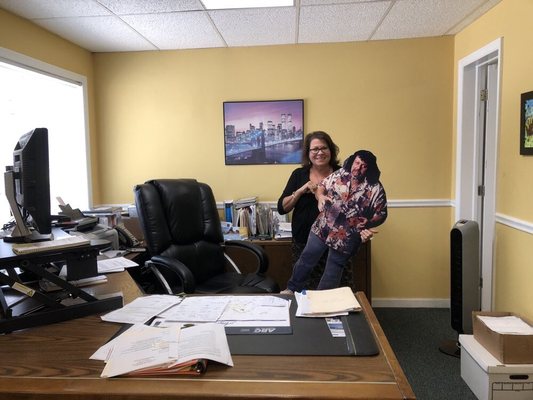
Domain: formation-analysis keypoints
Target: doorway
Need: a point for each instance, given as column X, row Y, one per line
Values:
column 477, row 138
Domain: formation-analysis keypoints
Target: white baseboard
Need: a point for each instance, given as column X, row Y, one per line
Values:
column 410, row 303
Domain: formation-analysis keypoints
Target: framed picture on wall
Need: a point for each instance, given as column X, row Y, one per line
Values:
column 263, row 132
column 526, row 123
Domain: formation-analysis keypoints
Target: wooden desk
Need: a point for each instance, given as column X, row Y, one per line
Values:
column 280, row 263
column 52, row 362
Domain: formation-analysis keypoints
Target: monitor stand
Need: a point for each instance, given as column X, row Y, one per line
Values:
column 33, row 236
column 20, row 233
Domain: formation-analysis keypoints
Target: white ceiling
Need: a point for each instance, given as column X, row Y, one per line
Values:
column 138, row 25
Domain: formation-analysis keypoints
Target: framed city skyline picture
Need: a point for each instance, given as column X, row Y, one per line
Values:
column 263, row 132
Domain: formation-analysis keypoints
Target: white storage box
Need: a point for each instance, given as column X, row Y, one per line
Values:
column 488, row 378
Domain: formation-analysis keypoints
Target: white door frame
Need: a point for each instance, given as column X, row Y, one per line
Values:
column 469, row 159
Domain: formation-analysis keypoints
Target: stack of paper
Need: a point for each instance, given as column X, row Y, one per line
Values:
column 326, row 303
column 144, row 350
column 246, row 202
column 511, row 324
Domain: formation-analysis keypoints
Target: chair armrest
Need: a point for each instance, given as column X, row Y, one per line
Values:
column 257, row 251
column 170, row 267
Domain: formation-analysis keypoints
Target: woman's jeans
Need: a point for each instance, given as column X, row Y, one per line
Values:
column 309, row 259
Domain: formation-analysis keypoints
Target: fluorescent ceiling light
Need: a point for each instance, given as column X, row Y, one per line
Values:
column 225, row 4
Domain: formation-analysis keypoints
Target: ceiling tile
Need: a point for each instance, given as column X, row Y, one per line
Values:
column 340, row 23
column 51, row 9
column 473, row 16
column 176, row 30
column 422, row 18
column 185, row 24
column 256, row 27
column 97, row 34
column 125, row 7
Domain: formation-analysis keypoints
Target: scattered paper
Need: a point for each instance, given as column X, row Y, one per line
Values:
column 117, row 264
column 142, row 309
column 235, row 311
column 226, row 310
column 197, row 309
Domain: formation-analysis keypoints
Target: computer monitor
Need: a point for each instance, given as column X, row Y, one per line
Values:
column 28, row 188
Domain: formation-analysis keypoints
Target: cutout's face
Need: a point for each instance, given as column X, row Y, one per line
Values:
column 359, row 168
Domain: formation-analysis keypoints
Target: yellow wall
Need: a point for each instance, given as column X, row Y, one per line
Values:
column 410, row 255
column 22, row 36
column 163, row 110
column 514, row 264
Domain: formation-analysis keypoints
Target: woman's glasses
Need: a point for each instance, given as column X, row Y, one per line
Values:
column 315, row 150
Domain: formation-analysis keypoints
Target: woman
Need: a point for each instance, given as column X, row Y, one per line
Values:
column 319, row 159
column 351, row 201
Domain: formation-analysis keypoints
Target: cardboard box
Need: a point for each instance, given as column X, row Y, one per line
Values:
column 488, row 379
column 507, row 348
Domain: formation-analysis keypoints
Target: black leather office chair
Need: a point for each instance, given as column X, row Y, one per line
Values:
column 182, row 231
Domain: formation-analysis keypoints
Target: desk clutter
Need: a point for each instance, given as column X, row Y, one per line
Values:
column 169, row 334
column 249, row 219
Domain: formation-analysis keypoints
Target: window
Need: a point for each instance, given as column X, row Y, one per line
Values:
column 35, row 95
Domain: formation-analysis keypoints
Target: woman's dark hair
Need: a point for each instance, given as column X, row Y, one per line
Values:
column 333, row 148
column 372, row 173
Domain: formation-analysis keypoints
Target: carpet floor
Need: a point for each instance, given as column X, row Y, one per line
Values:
column 415, row 335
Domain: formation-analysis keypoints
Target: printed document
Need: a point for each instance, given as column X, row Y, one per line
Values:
column 142, row 309
column 146, row 350
column 230, row 311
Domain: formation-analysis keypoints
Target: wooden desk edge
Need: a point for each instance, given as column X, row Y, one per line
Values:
column 83, row 388
column 382, row 341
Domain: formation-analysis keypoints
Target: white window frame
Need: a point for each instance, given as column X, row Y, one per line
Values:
column 29, row 63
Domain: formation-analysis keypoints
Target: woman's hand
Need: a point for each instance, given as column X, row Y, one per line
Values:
column 309, row 186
